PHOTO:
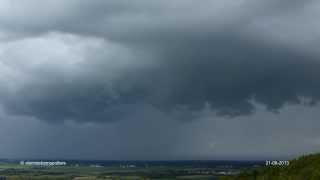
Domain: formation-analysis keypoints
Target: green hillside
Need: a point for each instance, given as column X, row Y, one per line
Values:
column 303, row 168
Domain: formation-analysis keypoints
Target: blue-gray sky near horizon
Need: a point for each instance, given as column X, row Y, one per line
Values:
column 169, row 79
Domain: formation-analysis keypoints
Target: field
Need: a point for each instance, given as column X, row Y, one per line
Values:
column 18, row 172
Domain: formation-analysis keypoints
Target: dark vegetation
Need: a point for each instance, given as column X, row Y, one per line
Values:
column 303, row 168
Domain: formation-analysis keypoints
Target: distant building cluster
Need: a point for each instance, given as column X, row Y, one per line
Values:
column 43, row 163
column 128, row 166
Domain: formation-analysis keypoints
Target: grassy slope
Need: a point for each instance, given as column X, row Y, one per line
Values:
column 303, row 168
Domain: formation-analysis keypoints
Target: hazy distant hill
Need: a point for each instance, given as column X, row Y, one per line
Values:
column 303, row 168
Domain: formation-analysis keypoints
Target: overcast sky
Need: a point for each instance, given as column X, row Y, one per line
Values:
column 161, row 80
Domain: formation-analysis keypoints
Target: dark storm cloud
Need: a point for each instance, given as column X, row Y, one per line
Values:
column 124, row 19
column 228, row 79
column 108, row 60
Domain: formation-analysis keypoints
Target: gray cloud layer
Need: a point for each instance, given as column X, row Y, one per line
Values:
column 152, row 135
column 197, row 57
column 146, row 64
column 102, row 60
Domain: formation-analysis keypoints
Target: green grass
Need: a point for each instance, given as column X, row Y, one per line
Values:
column 303, row 168
column 19, row 172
